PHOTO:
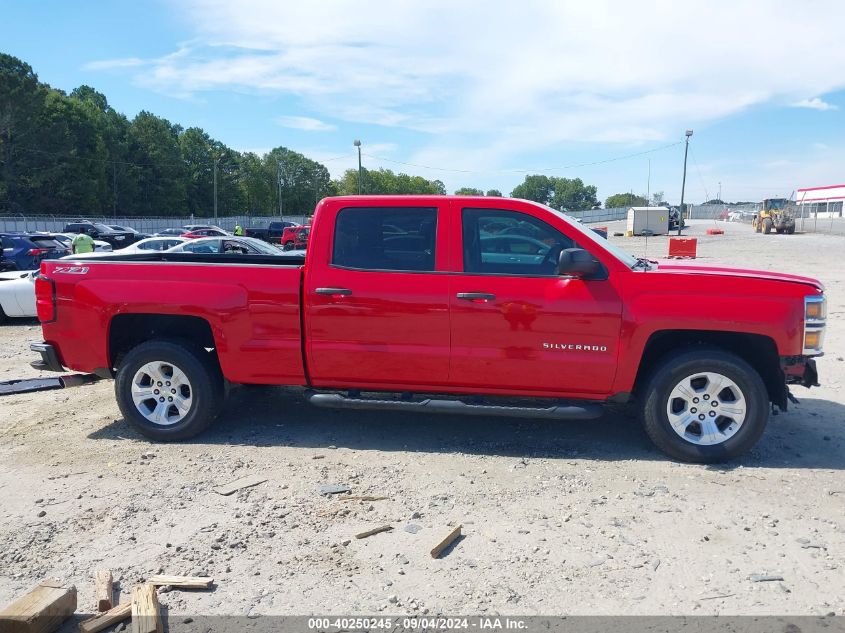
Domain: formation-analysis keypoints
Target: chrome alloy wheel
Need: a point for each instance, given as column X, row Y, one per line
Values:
column 706, row 408
column 162, row 393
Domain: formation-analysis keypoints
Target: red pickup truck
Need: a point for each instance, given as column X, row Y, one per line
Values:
column 486, row 306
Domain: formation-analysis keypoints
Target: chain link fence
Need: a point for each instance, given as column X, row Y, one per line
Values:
column 56, row 224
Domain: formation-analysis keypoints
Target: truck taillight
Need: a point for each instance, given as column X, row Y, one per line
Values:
column 45, row 299
column 34, row 252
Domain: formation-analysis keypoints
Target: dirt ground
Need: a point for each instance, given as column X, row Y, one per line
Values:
column 559, row 517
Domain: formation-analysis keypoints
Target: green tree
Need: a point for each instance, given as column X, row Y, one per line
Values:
column 560, row 193
column 303, row 181
column 625, row 200
column 157, row 169
column 386, row 182
column 21, row 102
column 469, row 191
column 494, row 193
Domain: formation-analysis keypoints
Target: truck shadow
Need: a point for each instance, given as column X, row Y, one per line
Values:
column 810, row 435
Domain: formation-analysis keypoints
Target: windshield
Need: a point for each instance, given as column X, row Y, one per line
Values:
column 620, row 254
column 102, row 228
column 775, row 204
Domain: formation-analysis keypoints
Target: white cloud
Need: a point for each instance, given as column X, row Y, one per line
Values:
column 486, row 81
column 306, row 123
column 109, row 64
column 815, row 104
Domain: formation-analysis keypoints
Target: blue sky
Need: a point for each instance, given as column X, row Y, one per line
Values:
column 477, row 93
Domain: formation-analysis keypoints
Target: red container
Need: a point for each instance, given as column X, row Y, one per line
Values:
column 715, row 231
column 682, row 247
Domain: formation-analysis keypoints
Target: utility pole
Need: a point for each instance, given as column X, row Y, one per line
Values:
column 279, row 179
column 216, row 160
column 114, row 189
column 357, row 144
column 683, row 182
column 720, row 191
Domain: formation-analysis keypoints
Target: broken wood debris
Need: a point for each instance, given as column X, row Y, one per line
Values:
column 105, row 620
column 183, row 582
column 146, row 617
column 764, row 578
column 244, row 482
column 383, row 528
column 104, row 589
column 362, row 498
column 446, row 542
column 41, row 610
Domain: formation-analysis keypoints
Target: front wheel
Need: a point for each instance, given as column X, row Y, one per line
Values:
column 767, row 226
column 705, row 406
column 169, row 390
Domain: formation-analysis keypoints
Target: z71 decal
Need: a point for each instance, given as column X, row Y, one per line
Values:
column 71, row 270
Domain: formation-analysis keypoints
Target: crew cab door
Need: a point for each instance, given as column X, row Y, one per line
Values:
column 516, row 324
column 376, row 296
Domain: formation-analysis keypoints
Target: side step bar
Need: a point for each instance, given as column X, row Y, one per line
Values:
column 585, row 411
column 29, row 385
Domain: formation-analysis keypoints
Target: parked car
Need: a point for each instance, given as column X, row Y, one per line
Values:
column 169, row 232
column 149, row 245
column 273, row 232
column 117, row 239
column 675, row 219
column 137, row 234
column 433, row 310
column 226, row 245
column 17, row 294
column 295, row 237
column 67, row 239
column 205, row 232
column 26, row 251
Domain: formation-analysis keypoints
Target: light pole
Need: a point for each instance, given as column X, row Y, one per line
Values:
column 279, row 181
column 357, row 144
column 683, row 182
column 216, row 161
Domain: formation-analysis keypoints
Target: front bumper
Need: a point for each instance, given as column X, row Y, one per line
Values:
column 800, row 370
column 49, row 358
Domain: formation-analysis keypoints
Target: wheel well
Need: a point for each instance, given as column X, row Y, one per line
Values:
column 127, row 331
column 758, row 351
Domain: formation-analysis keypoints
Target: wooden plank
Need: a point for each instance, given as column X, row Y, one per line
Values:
column 446, row 542
column 183, row 582
column 41, row 610
column 383, row 528
column 103, row 621
column 362, row 498
column 244, row 482
column 145, row 612
column 104, row 589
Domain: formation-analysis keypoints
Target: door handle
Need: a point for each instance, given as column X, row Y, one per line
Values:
column 333, row 291
column 476, row 296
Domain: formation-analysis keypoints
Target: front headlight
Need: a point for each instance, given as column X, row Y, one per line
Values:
column 815, row 315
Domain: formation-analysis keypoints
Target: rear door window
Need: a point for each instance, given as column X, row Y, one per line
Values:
column 383, row 238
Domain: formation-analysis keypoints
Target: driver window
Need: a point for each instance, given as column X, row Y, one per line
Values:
column 510, row 243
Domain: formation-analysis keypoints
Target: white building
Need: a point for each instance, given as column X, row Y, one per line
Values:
column 821, row 202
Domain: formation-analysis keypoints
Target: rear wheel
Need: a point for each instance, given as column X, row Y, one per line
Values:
column 169, row 390
column 790, row 230
column 767, row 226
column 288, row 246
column 705, row 406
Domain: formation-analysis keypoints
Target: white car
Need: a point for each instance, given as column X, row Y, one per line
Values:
column 149, row 245
column 227, row 245
column 17, row 294
column 66, row 238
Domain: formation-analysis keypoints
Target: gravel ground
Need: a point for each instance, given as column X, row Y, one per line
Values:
column 559, row 518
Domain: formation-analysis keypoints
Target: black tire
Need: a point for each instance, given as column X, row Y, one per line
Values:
column 288, row 246
column 3, row 317
column 206, row 388
column 767, row 226
column 671, row 371
column 790, row 230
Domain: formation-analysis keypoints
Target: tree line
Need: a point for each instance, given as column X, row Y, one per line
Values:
column 74, row 154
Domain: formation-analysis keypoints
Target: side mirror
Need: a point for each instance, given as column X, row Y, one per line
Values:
column 576, row 262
